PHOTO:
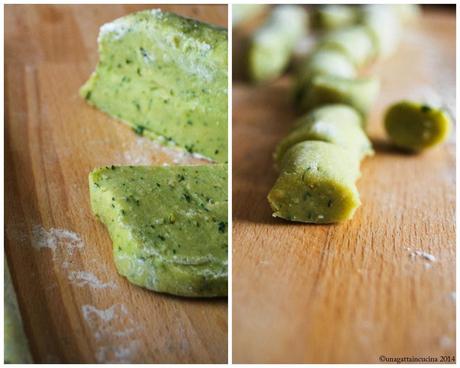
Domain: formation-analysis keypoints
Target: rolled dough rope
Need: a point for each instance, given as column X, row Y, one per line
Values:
column 338, row 124
column 328, row 76
column 272, row 45
column 383, row 21
column 323, row 62
column 244, row 12
column 359, row 93
column 331, row 17
column 355, row 42
column 415, row 127
column 316, row 184
column 384, row 27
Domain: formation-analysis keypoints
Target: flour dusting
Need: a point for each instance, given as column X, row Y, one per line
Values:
column 144, row 151
column 92, row 315
column 117, row 354
column 64, row 245
column 141, row 152
column 427, row 266
column 111, row 328
column 419, row 253
column 84, row 278
column 54, row 238
column 445, row 342
column 117, row 28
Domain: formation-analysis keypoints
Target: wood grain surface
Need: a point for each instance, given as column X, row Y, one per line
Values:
column 352, row 292
column 76, row 308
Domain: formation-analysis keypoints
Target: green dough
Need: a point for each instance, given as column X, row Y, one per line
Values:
column 272, row 45
column 15, row 344
column 245, row 12
column 323, row 62
column 166, row 76
column 355, row 42
column 414, row 126
column 338, row 124
column 316, row 184
column 407, row 13
column 168, row 225
column 327, row 89
column 329, row 17
column 326, row 61
column 384, row 26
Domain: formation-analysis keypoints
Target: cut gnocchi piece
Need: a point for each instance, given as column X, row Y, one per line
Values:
column 316, row 184
column 415, row 126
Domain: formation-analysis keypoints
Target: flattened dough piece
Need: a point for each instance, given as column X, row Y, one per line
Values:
column 338, row 124
column 316, row 184
column 168, row 225
column 414, row 126
column 165, row 76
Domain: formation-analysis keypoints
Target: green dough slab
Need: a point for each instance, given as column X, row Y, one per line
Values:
column 316, row 184
column 168, row 225
column 16, row 347
column 327, row 89
column 414, row 126
column 338, row 124
column 166, row 77
column 272, row 45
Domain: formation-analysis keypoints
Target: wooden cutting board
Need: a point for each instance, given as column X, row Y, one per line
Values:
column 76, row 308
column 352, row 292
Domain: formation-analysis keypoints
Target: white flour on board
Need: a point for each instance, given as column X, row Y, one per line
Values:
column 64, row 244
column 445, row 342
column 56, row 239
column 84, row 278
column 111, row 328
column 420, row 253
column 142, row 151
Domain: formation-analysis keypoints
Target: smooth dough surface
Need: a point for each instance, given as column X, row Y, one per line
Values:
column 355, row 42
column 316, row 184
column 272, row 45
column 323, row 62
column 384, row 26
column 334, row 16
column 338, row 124
column 359, row 93
column 168, row 225
column 414, row 126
